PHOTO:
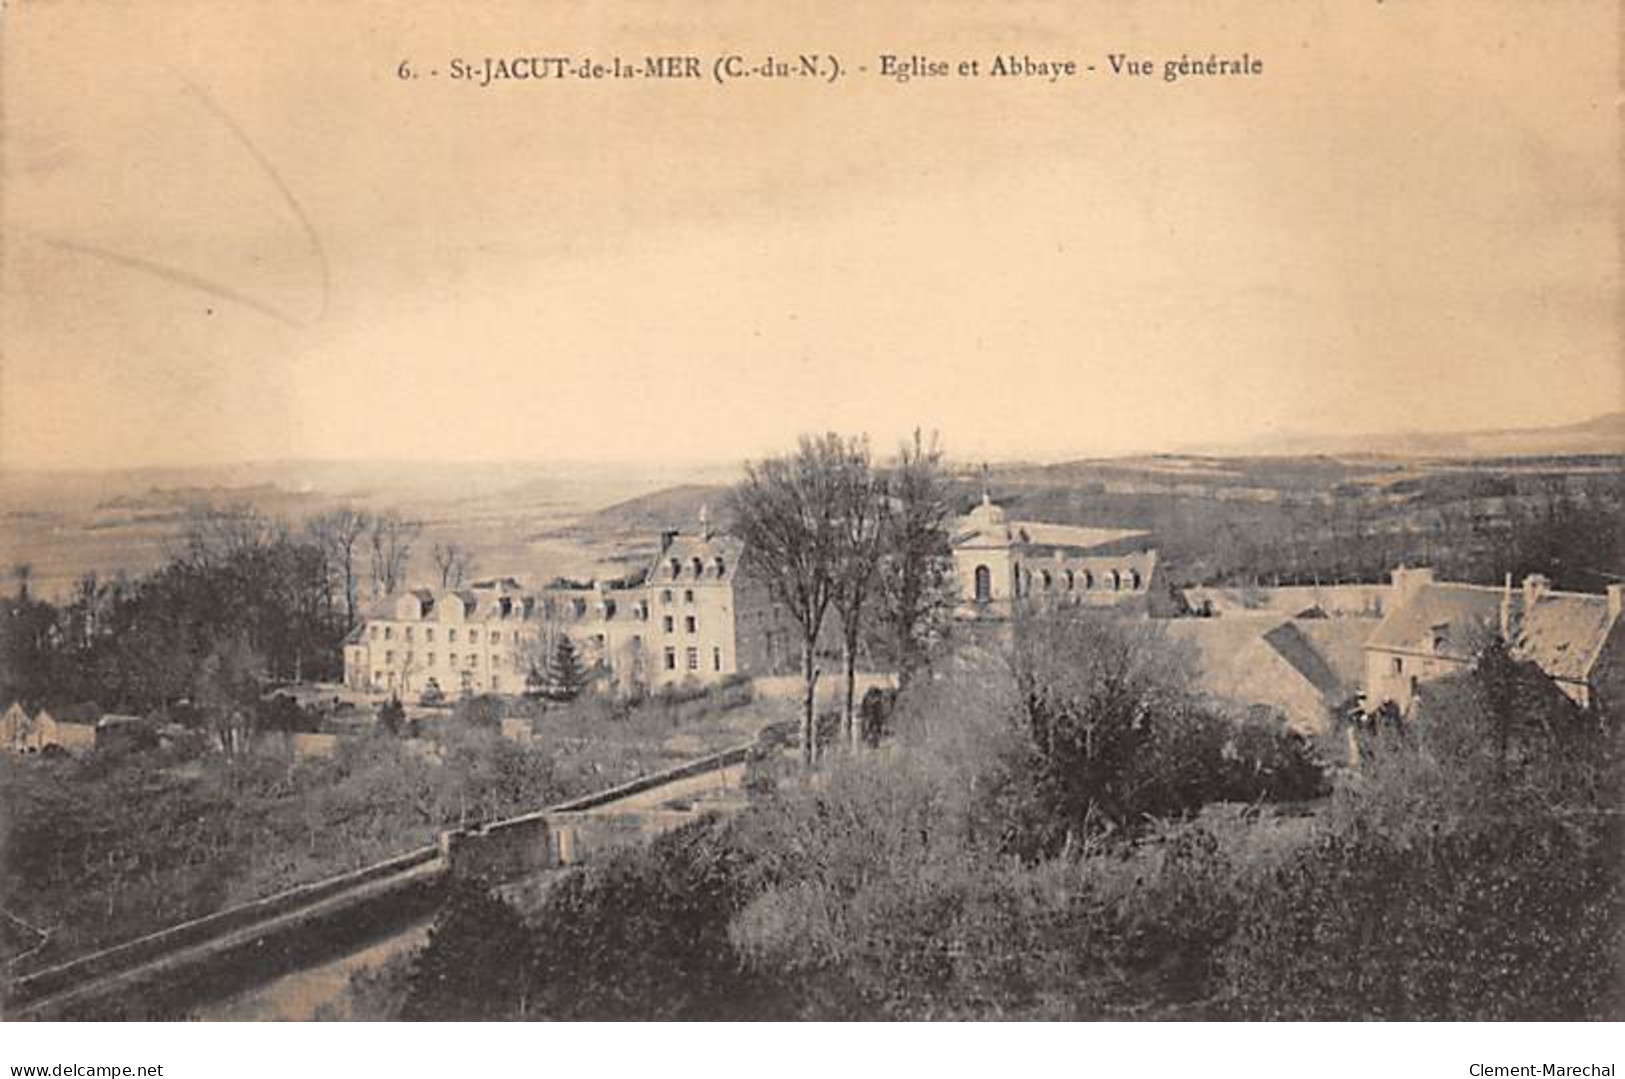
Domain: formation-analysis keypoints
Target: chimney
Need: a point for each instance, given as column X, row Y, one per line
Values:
column 1534, row 586
column 1616, row 600
column 1408, row 582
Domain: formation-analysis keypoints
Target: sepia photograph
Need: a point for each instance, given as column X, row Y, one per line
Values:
column 664, row 511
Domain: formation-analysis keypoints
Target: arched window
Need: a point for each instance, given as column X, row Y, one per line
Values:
column 676, row 568
column 1134, row 579
column 699, row 567
column 1045, row 580
column 1088, row 579
column 1071, row 581
column 984, row 584
column 1117, row 581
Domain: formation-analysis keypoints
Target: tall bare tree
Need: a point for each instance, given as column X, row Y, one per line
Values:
column 858, row 536
column 784, row 512
column 339, row 534
column 390, row 538
column 214, row 535
column 454, row 562
column 918, row 590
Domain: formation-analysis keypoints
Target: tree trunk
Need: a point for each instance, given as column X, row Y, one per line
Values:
column 849, row 658
column 809, row 724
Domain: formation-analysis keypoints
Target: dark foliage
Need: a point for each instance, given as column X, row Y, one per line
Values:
column 140, row 645
column 477, row 965
column 565, row 676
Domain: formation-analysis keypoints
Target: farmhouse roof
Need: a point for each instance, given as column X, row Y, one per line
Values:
column 1561, row 632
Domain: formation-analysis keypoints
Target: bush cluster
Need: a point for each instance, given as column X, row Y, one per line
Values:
column 1055, row 839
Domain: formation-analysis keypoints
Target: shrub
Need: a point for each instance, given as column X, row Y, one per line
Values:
column 1523, row 922
column 477, row 964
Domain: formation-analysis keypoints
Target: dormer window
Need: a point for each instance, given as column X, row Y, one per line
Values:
column 722, row 567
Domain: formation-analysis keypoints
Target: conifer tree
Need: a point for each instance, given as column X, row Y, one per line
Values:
column 565, row 677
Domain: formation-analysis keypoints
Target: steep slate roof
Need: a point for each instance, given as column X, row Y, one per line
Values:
column 1459, row 613
column 1561, row 632
column 1300, row 652
column 1299, row 667
column 1340, row 644
column 707, row 547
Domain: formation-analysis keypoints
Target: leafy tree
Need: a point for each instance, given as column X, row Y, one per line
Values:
column 477, row 964
column 1092, row 690
column 646, row 935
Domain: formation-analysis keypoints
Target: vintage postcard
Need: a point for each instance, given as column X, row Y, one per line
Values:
column 657, row 510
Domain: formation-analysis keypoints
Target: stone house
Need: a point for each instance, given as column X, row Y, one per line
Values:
column 1436, row 628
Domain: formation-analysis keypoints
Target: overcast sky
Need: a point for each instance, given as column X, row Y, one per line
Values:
column 232, row 233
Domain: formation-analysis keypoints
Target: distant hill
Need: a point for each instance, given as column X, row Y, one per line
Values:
column 1602, row 435
column 648, row 515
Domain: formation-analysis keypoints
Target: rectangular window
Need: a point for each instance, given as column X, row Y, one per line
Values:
column 451, row 635
column 667, row 624
column 389, row 631
column 473, row 659
column 430, row 660
column 688, row 595
column 693, row 658
column 473, row 636
column 409, row 633
column 428, row 634
column 1398, row 665
column 671, row 659
column 691, row 624
column 716, row 659
column 452, row 659
column 389, row 657
column 375, row 633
